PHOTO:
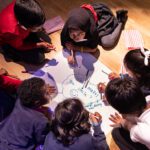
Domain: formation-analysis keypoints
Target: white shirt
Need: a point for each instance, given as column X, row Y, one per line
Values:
column 141, row 131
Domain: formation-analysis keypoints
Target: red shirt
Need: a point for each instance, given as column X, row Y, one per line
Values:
column 9, row 84
column 11, row 31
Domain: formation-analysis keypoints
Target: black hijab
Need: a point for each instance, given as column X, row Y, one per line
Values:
column 80, row 18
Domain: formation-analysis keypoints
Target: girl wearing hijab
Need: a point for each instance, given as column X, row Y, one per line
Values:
column 92, row 25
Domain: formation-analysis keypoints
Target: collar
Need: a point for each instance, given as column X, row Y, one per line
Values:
column 90, row 7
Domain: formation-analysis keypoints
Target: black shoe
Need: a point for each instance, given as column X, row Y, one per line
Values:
column 122, row 15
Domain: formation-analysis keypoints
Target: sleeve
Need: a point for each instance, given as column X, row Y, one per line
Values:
column 47, row 141
column 93, row 42
column 17, row 42
column 41, row 130
column 99, row 139
column 9, row 84
column 93, row 35
column 140, row 133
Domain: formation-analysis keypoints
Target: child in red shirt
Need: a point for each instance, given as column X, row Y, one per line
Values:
column 21, row 34
column 8, row 90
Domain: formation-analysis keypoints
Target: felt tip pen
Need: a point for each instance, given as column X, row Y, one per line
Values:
column 105, row 72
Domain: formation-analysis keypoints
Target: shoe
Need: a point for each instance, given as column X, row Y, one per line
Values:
column 122, row 16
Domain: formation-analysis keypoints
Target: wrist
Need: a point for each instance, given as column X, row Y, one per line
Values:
column 122, row 124
column 95, row 124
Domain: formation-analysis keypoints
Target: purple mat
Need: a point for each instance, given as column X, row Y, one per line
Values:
column 53, row 25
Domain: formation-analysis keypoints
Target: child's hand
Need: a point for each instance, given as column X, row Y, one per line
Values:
column 116, row 119
column 113, row 75
column 46, row 45
column 101, row 87
column 51, row 47
column 71, row 60
column 3, row 71
column 51, row 89
column 69, row 46
column 95, row 118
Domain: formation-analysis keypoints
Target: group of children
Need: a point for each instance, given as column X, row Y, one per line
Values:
column 26, row 124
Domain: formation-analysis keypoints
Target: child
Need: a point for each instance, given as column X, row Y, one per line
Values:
column 134, row 62
column 8, row 90
column 21, row 33
column 90, row 25
column 25, row 127
column 9, row 83
column 127, row 98
column 71, row 128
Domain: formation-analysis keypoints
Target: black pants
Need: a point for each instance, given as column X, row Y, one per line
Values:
column 122, row 139
column 33, row 56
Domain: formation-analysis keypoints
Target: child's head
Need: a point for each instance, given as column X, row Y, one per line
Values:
column 134, row 64
column 125, row 96
column 29, row 14
column 34, row 92
column 79, row 24
column 71, row 120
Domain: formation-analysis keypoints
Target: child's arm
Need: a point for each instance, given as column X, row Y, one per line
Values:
column 19, row 43
column 71, row 58
column 114, row 75
column 98, row 139
column 9, row 83
column 41, row 130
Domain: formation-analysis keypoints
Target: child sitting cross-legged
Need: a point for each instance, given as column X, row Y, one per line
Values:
column 21, row 32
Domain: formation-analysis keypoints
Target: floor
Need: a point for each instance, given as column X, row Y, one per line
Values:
column 138, row 18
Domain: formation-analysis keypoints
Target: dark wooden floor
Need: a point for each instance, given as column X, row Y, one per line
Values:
column 138, row 18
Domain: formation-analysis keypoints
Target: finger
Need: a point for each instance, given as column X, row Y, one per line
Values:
column 117, row 115
column 111, row 119
column 13, row 76
column 97, row 114
column 51, row 46
column 112, row 116
column 114, row 125
column 52, row 89
column 51, row 86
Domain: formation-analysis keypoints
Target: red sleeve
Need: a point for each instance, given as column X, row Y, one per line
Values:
column 9, row 84
column 17, row 42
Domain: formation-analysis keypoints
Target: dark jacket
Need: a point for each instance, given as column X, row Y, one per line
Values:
column 23, row 129
column 84, row 142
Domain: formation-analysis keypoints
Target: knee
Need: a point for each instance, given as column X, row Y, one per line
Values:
column 108, row 43
column 39, row 59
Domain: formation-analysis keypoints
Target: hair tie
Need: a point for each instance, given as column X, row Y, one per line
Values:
column 146, row 55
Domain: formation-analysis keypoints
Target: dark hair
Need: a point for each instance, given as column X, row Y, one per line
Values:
column 31, row 92
column 71, row 120
column 29, row 13
column 125, row 95
column 134, row 61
